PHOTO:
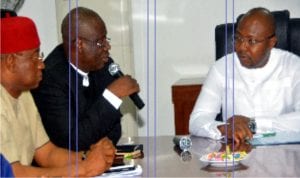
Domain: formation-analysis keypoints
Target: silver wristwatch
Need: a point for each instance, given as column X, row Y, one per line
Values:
column 252, row 125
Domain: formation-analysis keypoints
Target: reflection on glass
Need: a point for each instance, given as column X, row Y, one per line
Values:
column 186, row 156
column 224, row 171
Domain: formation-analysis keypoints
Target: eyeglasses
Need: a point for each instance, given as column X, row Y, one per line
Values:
column 39, row 57
column 104, row 42
column 249, row 40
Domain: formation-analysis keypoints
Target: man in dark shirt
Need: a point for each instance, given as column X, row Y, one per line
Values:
column 78, row 99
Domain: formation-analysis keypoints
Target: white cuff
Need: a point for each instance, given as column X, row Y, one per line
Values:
column 112, row 98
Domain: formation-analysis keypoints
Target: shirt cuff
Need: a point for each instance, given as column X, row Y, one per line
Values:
column 112, row 98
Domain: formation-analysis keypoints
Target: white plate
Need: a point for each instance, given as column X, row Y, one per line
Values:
column 225, row 163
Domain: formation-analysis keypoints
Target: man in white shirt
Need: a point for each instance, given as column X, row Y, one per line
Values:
column 257, row 86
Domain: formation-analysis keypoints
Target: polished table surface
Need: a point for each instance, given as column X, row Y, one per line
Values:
column 162, row 159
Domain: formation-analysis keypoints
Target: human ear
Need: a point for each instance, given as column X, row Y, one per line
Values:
column 79, row 45
column 10, row 62
column 273, row 42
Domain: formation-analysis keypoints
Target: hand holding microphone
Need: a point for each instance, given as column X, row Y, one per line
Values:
column 124, row 85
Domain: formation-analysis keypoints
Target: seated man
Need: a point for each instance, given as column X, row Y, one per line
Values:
column 256, row 85
column 78, row 99
column 23, row 137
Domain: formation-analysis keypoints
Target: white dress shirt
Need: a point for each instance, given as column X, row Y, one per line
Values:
column 270, row 94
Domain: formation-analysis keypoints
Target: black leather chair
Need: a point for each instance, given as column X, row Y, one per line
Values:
column 287, row 32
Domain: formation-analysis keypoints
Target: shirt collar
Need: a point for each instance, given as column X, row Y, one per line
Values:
column 85, row 80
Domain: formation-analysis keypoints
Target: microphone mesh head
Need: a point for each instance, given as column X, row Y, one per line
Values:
column 113, row 68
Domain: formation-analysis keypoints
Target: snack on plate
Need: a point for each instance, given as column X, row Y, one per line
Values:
column 226, row 155
column 222, row 156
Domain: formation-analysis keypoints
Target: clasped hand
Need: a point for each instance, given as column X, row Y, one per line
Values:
column 237, row 129
column 237, row 148
column 100, row 157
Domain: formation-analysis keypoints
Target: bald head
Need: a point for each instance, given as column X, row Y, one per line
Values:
column 80, row 17
column 255, row 37
column 261, row 16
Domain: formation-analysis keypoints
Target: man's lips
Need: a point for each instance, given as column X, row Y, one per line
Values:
column 244, row 57
column 105, row 57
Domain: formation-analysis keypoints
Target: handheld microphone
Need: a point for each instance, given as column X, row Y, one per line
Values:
column 114, row 70
column 183, row 142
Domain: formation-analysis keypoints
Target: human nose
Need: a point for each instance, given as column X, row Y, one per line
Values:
column 41, row 65
column 241, row 44
column 107, row 46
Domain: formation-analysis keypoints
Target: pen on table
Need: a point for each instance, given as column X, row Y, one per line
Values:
column 262, row 135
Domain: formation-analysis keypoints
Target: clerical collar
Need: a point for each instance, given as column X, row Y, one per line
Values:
column 85, row 80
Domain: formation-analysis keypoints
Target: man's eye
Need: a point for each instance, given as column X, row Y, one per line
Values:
column 238, row 39
column 252, row 41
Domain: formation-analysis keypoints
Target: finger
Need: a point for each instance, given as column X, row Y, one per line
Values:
column 242, row 132
column 110, row 159
column 109, row 148
column 106, row 141
column 249, row 133
column 110, row 153
column 237, row 141
column 239, row 136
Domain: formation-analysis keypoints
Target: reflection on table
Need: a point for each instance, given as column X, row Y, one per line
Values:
column 162, row 159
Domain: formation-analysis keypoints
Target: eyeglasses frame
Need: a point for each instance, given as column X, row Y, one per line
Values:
column 250, row 41
column 98, row 44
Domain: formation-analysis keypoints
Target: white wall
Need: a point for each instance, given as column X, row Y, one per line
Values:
column 44, row 15
column 184, row 47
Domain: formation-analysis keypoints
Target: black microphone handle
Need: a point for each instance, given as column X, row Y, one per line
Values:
column 137, row 100
column 118, row 74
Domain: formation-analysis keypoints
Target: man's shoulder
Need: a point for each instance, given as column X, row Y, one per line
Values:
column 285, row 54
column 55, row 59
column 286, row 57
column 26, row 97
column 225, row 60
column 56, row 63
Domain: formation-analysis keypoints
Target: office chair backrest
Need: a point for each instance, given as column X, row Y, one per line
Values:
column 294, row 36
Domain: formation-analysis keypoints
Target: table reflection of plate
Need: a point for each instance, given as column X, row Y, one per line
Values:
column 225, row 162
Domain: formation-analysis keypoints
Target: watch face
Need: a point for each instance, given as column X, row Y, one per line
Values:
column 252, row 126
